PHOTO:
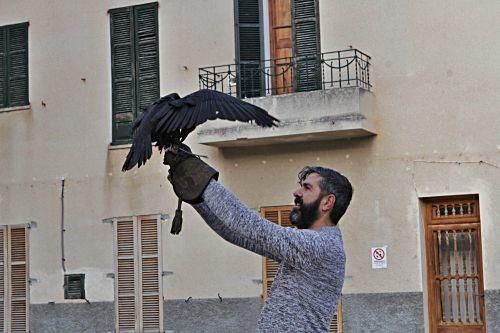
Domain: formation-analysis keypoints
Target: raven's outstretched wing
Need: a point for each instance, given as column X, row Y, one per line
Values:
column 171, row 121
column 143, row 134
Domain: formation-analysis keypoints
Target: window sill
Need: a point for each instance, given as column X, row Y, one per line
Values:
column 122, row 146
column 16, row 108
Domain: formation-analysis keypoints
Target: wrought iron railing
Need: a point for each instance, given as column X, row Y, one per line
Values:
column 338, row 69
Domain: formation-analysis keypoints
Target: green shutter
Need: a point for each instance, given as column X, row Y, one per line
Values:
column 248, row 47
column 17, row 64
column 3, row 67
column 146, row 54
column 306, row 47
column 135, row 65
column 14, row 65
column 122, row 72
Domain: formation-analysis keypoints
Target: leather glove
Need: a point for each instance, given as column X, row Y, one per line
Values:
column 188, row 174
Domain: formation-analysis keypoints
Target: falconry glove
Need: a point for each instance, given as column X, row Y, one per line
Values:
column 188, row 174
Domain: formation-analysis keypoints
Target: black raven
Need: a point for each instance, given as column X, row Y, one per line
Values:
column 170, row 119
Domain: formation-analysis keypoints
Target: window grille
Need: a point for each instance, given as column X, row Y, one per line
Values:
column 74, row 286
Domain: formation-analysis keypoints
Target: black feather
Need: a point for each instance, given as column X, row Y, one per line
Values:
column 170, row 119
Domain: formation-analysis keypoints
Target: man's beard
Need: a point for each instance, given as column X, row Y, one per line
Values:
column 304, row 216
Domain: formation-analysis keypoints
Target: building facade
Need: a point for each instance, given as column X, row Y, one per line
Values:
column 399, row 96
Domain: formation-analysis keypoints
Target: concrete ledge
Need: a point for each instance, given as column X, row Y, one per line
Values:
column 309, row 116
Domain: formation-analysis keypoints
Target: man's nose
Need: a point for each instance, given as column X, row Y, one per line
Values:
column 297, row 193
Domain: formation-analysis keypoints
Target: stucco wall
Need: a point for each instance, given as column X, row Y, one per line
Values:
column 436, row 81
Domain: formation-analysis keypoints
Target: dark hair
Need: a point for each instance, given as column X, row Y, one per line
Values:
column 331, row 182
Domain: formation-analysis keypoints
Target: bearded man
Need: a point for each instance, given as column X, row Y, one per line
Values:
column 307, row 287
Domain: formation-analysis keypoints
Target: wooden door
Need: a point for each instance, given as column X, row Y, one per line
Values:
column 280, row 29
column 454, row 265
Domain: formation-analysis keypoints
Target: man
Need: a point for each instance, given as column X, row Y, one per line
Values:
column 307, row 287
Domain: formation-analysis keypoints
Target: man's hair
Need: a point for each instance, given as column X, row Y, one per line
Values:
column 331, row 182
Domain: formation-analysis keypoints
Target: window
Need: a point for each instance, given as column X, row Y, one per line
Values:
column 14, row 65
column 134, row 65
column 294, row 46
column 279, row 215
column 138, row 283
column 14, row 279
column 74, row 286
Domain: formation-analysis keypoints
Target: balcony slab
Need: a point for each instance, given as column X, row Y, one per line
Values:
column 306, row 116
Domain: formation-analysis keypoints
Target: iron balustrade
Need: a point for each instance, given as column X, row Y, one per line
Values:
column 337, row 69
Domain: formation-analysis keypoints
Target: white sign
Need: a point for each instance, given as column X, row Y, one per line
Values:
column 379, row 257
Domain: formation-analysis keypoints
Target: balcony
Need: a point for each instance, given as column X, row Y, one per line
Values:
column 320, row 97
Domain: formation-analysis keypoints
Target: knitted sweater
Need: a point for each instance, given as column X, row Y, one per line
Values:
column 306, row 290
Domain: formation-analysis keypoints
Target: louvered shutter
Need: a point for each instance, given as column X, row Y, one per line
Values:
column 123, row 73
column 3, row 274
column 280, row 215
column 146, row 55
column 3, row 67
column 19, row 282
column 17, row 64
column 249, row 50
column 125, row 276
column 138, row 289
column 150, row 274
column 306, row 44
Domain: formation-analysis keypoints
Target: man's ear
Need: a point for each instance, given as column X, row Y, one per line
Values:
column 329, row 202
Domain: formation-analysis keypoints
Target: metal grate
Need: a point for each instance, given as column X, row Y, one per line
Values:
column 74, row 286
column 338, row 69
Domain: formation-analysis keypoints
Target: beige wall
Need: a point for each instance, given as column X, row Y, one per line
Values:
column 436, row 81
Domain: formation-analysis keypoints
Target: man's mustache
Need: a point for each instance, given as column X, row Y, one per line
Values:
column 298, row 201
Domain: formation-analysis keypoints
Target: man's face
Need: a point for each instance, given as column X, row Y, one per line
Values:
column 307, row 202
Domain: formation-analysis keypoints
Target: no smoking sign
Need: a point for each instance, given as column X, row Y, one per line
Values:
column 379, row 257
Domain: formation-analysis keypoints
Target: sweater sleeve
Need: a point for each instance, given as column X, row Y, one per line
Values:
column 238, row 224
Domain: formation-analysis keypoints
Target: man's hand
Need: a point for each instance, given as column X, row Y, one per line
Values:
column 188, row 174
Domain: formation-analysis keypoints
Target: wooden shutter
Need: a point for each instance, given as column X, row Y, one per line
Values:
column 249, row 49
column 146, row 55
column 123, row 73
column 138, row 289
column 306, row 46
column 125, row 275
column 19, row 281
column 279, row 215
column 150, row 274
column 134, row 65
column 14, row 279
column 3, row 273
column 14, row 65
column 3, row 67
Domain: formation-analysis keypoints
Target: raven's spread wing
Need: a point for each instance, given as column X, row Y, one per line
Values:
column 170, row 120
column 198, row 107
column 143, row 134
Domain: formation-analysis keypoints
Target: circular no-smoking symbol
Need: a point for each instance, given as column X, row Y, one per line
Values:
column 378, row 254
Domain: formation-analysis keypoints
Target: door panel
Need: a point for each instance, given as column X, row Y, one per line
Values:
column 456, row 292
column 280, row 22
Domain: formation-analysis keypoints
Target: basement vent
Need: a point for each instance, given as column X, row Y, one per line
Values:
column 74, row 286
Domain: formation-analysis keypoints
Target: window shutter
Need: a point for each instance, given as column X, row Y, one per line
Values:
column 123, row 73
column 3, row 67
column 3, row 274
column 125, row 277
column 307, row 50
column 150, row 274
column 138, row 288
column 146, row 55
column 19, row 279
column 249, row 49
column 17, row 64
column 279, row 215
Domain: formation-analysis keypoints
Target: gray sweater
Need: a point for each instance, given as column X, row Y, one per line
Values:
column 306, row 290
